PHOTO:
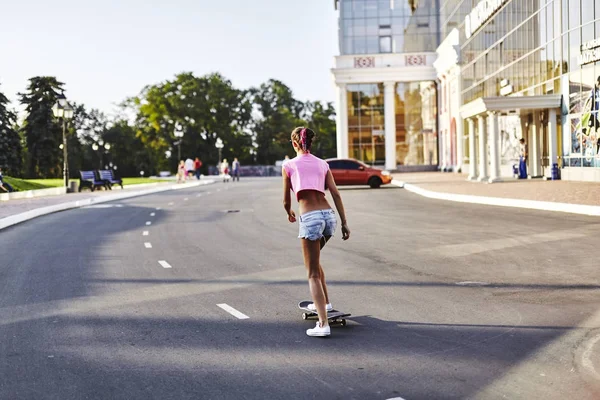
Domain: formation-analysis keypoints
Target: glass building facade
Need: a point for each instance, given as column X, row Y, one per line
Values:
column 534, row 48
column 384, row 40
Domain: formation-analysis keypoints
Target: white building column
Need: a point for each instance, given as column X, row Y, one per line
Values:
column 472, row 151
column 552, row 140
column 483, row 159
column 494, row 148
column 342, row 122
column 534, row 146
column 389, row 103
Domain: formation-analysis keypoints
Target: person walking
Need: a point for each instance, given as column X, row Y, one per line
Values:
column 181, row 172
column 197, row 166
column 235, row 169
column 225, row 170
column 5, row 185
column 189, row 167
column 308, row 177
column 523, row 159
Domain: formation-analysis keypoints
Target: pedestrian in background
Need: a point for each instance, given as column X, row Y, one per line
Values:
column 523, row 159
column 5, row 185
column 235, row 169
column 197, row 165
column 225, row 170
column 308, row 176
column 189, row 167
column 181, row 172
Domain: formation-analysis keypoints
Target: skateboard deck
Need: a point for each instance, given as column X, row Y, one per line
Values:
column 334, row 316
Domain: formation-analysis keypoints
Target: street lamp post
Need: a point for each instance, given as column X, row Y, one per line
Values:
column 62, row 109
column 219, row 145
column 103, row 147
column 178, row 134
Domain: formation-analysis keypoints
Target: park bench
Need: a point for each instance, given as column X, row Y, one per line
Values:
column 88, row 179
column 107, row 176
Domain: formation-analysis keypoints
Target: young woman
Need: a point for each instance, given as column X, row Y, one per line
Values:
column 308, row 176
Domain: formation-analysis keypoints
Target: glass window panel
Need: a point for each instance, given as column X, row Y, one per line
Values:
column 347, row 27
column 543, row 30
column 587, row 33
column 360, row 45
column 574, row 46
column 384, row 8
column 587, row 10
column 358, row 9
column 574, row 13
column 398, row 43
column 371, row 9
column 346, row 9
column 372, row 27
column 385, row 44
column 373, row 45
column 360, row 27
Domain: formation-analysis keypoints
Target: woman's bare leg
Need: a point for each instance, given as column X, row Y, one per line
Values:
column 324, row 241
column 311, row 251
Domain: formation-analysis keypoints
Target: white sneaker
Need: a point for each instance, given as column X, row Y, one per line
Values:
column 312, row 307
column 319, row 331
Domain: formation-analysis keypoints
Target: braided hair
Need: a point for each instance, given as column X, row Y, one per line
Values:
column 304, row 137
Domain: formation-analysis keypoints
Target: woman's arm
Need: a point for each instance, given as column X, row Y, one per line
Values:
column 339, row 205
column 287, row 198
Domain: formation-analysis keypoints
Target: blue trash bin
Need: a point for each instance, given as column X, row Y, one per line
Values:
column 555, row 172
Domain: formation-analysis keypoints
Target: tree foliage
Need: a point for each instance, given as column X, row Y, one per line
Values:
column 10, row 142
column 253, row 124
column 42, row 133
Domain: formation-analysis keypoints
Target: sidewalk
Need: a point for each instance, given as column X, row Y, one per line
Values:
column 566, row 196
column 16, row 211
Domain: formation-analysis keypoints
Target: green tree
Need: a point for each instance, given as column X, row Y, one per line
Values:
column 278, row 114
column 206, row 108
column 10, row 142
column 42, row 134
column 321, row 118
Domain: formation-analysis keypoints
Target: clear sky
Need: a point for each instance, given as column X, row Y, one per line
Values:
column 107, row 50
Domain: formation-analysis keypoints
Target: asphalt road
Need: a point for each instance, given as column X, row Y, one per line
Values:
column 448, row 301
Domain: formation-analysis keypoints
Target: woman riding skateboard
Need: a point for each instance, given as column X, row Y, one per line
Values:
column 308, row 176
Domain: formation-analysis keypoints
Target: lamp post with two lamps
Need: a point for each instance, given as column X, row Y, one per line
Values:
column 219, row 145
column 62, row 109
column 178, row 134
column 103, row 146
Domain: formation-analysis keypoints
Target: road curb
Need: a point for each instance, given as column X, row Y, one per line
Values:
column 580, row 209
column 38, row 212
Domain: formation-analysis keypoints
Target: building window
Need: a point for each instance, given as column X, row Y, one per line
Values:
column 385, row 44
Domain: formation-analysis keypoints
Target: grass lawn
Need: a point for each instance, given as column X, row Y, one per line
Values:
column 33, row 184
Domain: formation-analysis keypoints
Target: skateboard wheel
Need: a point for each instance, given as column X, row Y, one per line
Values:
column 343, row 322
column 305, row 316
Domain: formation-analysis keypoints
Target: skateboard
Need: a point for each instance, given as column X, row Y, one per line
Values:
column 335, row 317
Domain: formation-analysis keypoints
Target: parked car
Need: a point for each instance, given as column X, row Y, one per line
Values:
column 354, row 172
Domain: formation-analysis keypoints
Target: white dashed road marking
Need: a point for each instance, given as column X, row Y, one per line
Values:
column 171, row 203
column 472, row 283
column 164, row 264
column 157, row 208
column 152, row 214
column 186, row 199
column 148, row 245
column 145, row 233
column 199, row 195
column 148, row 222
column 233, row 311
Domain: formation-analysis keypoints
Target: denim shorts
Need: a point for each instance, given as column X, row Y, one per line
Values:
column 316, row 224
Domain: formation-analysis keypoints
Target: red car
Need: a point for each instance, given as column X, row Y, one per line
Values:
column 354, row 172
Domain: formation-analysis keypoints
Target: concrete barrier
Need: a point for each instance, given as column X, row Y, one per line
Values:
column 29, row 194
column 38, row 212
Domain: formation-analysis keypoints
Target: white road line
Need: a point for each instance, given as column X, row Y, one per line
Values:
column 148, row 222
column 186, row 199
column 145, row 233
column 199, row 195
column 152, row 214
column 233, row 311
column 148, row 245
column 208, row 192
column 164, row 264
column 157, row 208
column 171, row 203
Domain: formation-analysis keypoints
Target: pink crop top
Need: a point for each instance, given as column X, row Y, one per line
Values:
column 306, row 172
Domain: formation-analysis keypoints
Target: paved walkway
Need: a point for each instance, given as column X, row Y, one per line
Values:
column 586, row 193
column 12, row 207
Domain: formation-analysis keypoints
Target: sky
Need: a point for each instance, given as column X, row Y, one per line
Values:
column 107, row 50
